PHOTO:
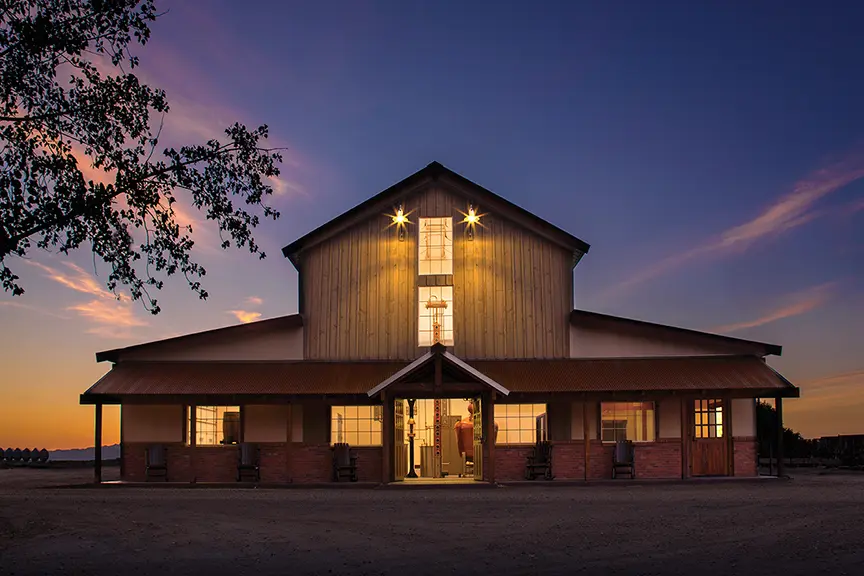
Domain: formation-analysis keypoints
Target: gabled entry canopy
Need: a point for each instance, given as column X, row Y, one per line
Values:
column 429, row 373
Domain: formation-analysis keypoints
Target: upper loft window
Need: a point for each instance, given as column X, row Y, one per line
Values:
column 435, row 315
column 436, row 246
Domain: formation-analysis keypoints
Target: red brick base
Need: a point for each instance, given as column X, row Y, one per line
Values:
column 661, row 459
column 280, row 463
column 312, row 463
column 746, row 449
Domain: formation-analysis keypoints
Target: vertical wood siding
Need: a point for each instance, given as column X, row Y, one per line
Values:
column 512, row 289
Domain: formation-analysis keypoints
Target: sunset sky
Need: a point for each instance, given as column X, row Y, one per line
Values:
column 712, row 154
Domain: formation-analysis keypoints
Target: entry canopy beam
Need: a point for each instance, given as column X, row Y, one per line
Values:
column 424, row 366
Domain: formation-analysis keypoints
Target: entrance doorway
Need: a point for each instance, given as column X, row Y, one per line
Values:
column 447, row 439
column 709, row 452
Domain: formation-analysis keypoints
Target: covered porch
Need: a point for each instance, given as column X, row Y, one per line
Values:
column 288, row 408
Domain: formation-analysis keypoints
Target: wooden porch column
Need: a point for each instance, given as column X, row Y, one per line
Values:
column 778, row 406
column 489, row 433
column 685, row 436
column 586, row 437
column 289, row 439
column 387, row 417
column 730, row 438
column 97, row 447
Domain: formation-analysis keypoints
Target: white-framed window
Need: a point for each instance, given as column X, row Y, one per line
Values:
column 435, row 246
column 214, row 425
column 356, row 425
column 520, row 423
column 435, row 315
column 627, row 421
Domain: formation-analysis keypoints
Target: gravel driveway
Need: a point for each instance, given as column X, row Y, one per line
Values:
column 813, row 524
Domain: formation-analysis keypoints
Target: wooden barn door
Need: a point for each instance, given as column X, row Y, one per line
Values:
column 709, row 449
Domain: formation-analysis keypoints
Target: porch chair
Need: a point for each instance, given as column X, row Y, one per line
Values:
column 156, row 463
column 624, row 459
column 539, row 461
column 249, row 464
column 344, row 463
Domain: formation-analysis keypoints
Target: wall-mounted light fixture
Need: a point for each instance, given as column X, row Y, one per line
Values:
column 400, row 219
column 472, row 218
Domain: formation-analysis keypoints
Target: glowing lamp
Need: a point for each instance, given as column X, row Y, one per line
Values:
column 400, row 219
column 472, row 217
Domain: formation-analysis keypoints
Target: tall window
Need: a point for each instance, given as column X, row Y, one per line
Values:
column 436, row 246
column 435, row 315
column 520, row 423
column 627, row 421
column 708, row 419
column 214, row 425
column 356, row 425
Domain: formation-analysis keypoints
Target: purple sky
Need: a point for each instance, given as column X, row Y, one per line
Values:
column 711, row 153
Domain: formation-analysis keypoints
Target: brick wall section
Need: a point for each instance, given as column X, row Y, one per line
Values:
column 600, row 464
column 510, row 462
column 368, row 463
column 661, row 459
column 133, row 462
column 215, row 463
column 745, row 456
column 311, row 463
column 273, row 466
column 568, row 460
column 180, row 463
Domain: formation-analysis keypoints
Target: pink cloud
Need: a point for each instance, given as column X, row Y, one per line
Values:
column 245, row 316
column 254, row 301
column 787, row 212
column 113, row 316
column 79, row 280
column 802, row 303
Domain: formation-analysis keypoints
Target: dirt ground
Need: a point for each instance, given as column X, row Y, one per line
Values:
column 812, row 524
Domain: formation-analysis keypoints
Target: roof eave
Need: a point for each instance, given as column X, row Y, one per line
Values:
column 770, row 349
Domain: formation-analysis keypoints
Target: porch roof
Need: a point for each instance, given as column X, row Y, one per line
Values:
column 423, row 369
column 698, row 375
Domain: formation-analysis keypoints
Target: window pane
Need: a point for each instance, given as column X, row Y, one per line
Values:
column 628, row 421
column 355, row 425
column 216, row 425
column 435, row 246
column 435, row 308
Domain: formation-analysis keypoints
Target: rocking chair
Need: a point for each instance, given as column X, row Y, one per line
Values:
column 539, row 461
column 248, row 468
column 344, row 463
column 624, row 459
column 157, row 463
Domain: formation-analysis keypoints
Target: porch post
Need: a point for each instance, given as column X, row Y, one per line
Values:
column 387, row 417
column 97, row 447
column 586, row 437
column 289, row 439
column 489, row 432
column 778, row 407
column 685, row 433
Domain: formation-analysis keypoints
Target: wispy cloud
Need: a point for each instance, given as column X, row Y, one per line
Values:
column 113, row 316
column 79, row 280
column 254, row 301
column 789, row 211
column 113, row 319
column 798, row 304
column 245, row 316
column 22, row 306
